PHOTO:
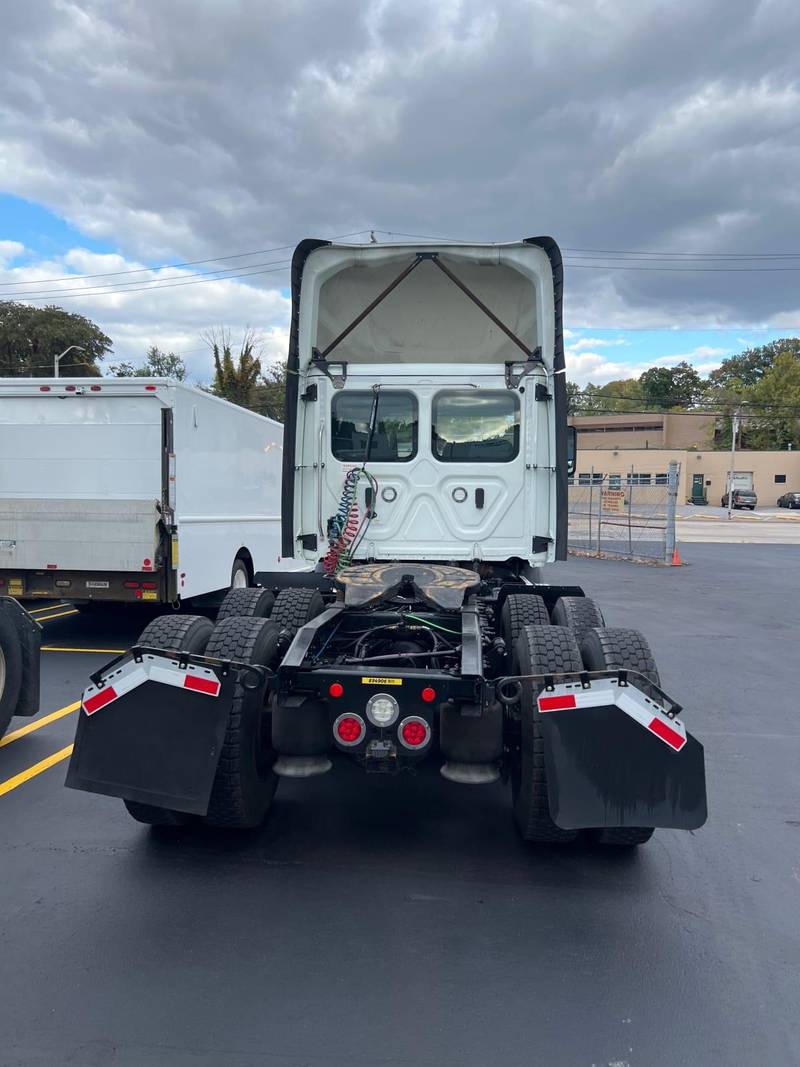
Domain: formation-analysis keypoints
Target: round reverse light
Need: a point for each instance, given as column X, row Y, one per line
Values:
column 382, row 709
column 414, row 732
column 349, row 729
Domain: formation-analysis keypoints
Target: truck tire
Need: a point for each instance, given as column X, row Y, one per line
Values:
column 608, row 649
column 577, row 613
column 246, row 603
column 10, row 670
column 295, row 607
column 172, row 633
column 538, row 650
column 240, row 576
column 518, row 610
column 245, row 782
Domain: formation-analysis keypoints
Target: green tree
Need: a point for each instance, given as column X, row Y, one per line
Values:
column 748, row 368
column 270, row 393
column 235, row 379
column 157, row 364
column 774, row 422
column 671, row 387
column 622, row 395
column 574, row 399
column 31, row 338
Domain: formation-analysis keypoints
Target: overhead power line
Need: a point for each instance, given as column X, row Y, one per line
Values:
column 173, row 266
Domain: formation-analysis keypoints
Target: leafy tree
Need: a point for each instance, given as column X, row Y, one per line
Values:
column 622, row 395
column 270, row 393
column 235, row 379
column 669, row 387
column 776, row 405
column 31, row 338
column 746, row 369
column 574, row 399
column 157, row 364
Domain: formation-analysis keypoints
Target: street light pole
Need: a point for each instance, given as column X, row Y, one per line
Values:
column 57, row 359
column 735, row 422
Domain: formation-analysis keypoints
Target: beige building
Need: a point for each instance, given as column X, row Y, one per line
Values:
column 658, row 430
column 773, row 473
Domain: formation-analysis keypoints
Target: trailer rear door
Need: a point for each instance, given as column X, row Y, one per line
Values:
column 80, row 480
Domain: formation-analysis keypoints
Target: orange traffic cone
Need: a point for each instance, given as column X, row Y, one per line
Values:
column 676, row 559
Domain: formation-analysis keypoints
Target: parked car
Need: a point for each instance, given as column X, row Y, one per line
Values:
column 742, row 498
column 789, row 500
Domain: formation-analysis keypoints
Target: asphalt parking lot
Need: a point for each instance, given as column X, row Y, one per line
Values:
column 400, row 921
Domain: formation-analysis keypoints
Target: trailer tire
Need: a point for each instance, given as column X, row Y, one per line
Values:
column 609, row 649
column 295, row 607
column 578, row 613
column 245, row 782
column 538, row 650
column 171, row 633
column 253, row 603
column 518, row 610
column 10, row 670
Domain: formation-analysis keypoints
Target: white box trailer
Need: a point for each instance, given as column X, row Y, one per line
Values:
column 126, row 489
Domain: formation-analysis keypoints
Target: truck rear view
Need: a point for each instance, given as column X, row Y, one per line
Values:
column 424, row 485
column 132, row 490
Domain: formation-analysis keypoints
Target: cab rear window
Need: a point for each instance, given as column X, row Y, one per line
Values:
column 396, row 426
column 472, row 426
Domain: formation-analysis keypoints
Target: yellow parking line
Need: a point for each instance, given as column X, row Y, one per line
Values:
column 37, row 768
column 53, row 648
column 60, row 615
column 47, row 607
column 37, row 724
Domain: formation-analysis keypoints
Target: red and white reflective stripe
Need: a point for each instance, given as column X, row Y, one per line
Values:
column 605, row 691
column 161, row 669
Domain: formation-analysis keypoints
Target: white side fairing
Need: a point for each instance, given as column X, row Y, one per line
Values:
column 465, row 465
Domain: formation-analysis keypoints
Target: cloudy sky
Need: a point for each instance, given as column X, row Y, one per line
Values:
column 136, row 134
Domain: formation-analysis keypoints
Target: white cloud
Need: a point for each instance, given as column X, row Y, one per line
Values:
column 172, row 317
column 597, row 368
column 9, row 251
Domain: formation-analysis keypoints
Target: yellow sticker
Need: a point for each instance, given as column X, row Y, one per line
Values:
column 381, row 681
column 149, row 594
column 15, row 587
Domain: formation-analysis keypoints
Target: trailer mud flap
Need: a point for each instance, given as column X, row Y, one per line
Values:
column 152, row 732
column 615, row 758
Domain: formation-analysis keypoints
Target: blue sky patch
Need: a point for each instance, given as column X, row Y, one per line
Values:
column 41, row 231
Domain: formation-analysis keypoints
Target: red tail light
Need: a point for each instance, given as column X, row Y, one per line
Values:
column 44, row 388
column 349, row 729
column 149, row 585
column 335, row 690
column 95, row 388
column 130, row 585
column 69, row 388
column 414, row 732
column 428, row 694
column 150, row 388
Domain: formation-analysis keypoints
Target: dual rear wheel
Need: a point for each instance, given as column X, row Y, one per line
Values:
column 245, row 782
column 576, row 640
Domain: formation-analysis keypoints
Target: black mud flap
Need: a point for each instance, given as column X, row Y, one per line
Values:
column 605, row 770
column 156, row 744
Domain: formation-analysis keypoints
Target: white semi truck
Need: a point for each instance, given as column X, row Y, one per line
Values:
column 133, row 489
column 425, row 471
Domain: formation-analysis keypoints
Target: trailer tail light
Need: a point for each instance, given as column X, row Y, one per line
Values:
column 349, row 729
column 428, row 694
column 150, row 388
column 414, row 732
column 95, row 388
column 2, row 582
column 335, row 690
column 149, row 585
column 130, row 585
column 70, row 388
column 44, row 388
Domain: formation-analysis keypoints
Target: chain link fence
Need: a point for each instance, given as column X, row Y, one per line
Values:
column 627, row 516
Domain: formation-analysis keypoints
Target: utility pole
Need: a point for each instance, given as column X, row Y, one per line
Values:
column 57, row 359
column 735, row 417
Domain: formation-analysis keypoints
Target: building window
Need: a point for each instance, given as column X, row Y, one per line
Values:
column 633, row 478
column 614, row 481
column 662, row 479
column 780, row 479
column 595, row 478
